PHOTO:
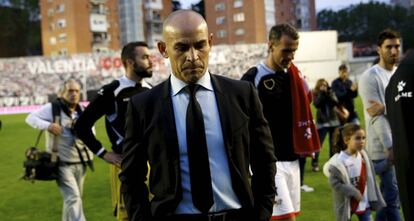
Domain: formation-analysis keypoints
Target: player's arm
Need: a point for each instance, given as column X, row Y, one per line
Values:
column 371, row 97
column 379, row 123
column 83, row 127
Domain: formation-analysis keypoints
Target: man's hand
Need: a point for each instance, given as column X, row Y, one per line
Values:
column 354, row 87
column 375, row 109
column 358, row 197
column 113, row 158
column 390, row 154
column 55, row 129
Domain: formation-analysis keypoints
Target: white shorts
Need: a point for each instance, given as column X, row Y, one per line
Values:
column 287, row 200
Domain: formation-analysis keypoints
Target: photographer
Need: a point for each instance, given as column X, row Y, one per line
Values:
column 327, row 120
column 73, row 154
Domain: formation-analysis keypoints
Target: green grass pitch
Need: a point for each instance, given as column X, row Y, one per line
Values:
column 41, row 201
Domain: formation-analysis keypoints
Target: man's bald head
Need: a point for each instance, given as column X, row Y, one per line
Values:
column 183, row 21
column 186, row 43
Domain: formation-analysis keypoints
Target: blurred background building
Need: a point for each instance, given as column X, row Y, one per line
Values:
column 131, row 20
column 59, row 27
column 155, row 11
column 246, row 22
column 94, row 26
column 141, row 20
column 82, row 26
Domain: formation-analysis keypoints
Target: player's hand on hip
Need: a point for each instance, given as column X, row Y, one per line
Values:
column 113, row 158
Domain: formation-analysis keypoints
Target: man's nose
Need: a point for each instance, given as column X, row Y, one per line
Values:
column 192, row 55
column 395, row 50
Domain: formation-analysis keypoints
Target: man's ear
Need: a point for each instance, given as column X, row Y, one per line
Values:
column 129, row 62
column 210, row 40
column 162, row 48
column 269, row 46
column 379, row 51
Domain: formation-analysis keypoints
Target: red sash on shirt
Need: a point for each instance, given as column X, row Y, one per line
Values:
column 305, row 135
column 360, row 186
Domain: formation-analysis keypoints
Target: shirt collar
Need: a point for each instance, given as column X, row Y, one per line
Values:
column 127, row 81
column 387, row 71
column 131, row 83
column 177, row 85
column 266, row 68
column 269, row 70
column 146, row 84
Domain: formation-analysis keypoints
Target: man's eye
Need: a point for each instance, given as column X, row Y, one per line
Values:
column 200, row 45
column 181, row 48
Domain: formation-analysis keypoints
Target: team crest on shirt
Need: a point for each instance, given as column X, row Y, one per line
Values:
column 269, row 84
column 401, row 93
column 101, row 92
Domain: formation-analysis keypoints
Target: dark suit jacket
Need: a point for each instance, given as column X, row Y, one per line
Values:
column 151, row 136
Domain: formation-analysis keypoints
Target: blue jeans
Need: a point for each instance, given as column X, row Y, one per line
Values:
column 366, row 216
column 389, row 189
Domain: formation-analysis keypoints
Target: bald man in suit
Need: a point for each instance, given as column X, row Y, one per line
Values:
column 197, row 126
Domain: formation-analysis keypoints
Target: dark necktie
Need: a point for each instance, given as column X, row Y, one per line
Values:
column 200, row 178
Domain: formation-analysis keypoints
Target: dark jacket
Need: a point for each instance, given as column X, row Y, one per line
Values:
column 277, row 109
column 325, row 103
column 111, row 101
column 399, row 98
column 151, row 136
column 346, row 96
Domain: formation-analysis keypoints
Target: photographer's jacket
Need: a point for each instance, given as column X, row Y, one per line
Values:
column 67, row 152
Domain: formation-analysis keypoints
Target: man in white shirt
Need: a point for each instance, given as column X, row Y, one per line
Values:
column 73, row 153
column 372, row 86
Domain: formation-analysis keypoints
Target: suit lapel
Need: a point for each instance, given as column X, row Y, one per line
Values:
column 224, row 111
column 168, row 120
